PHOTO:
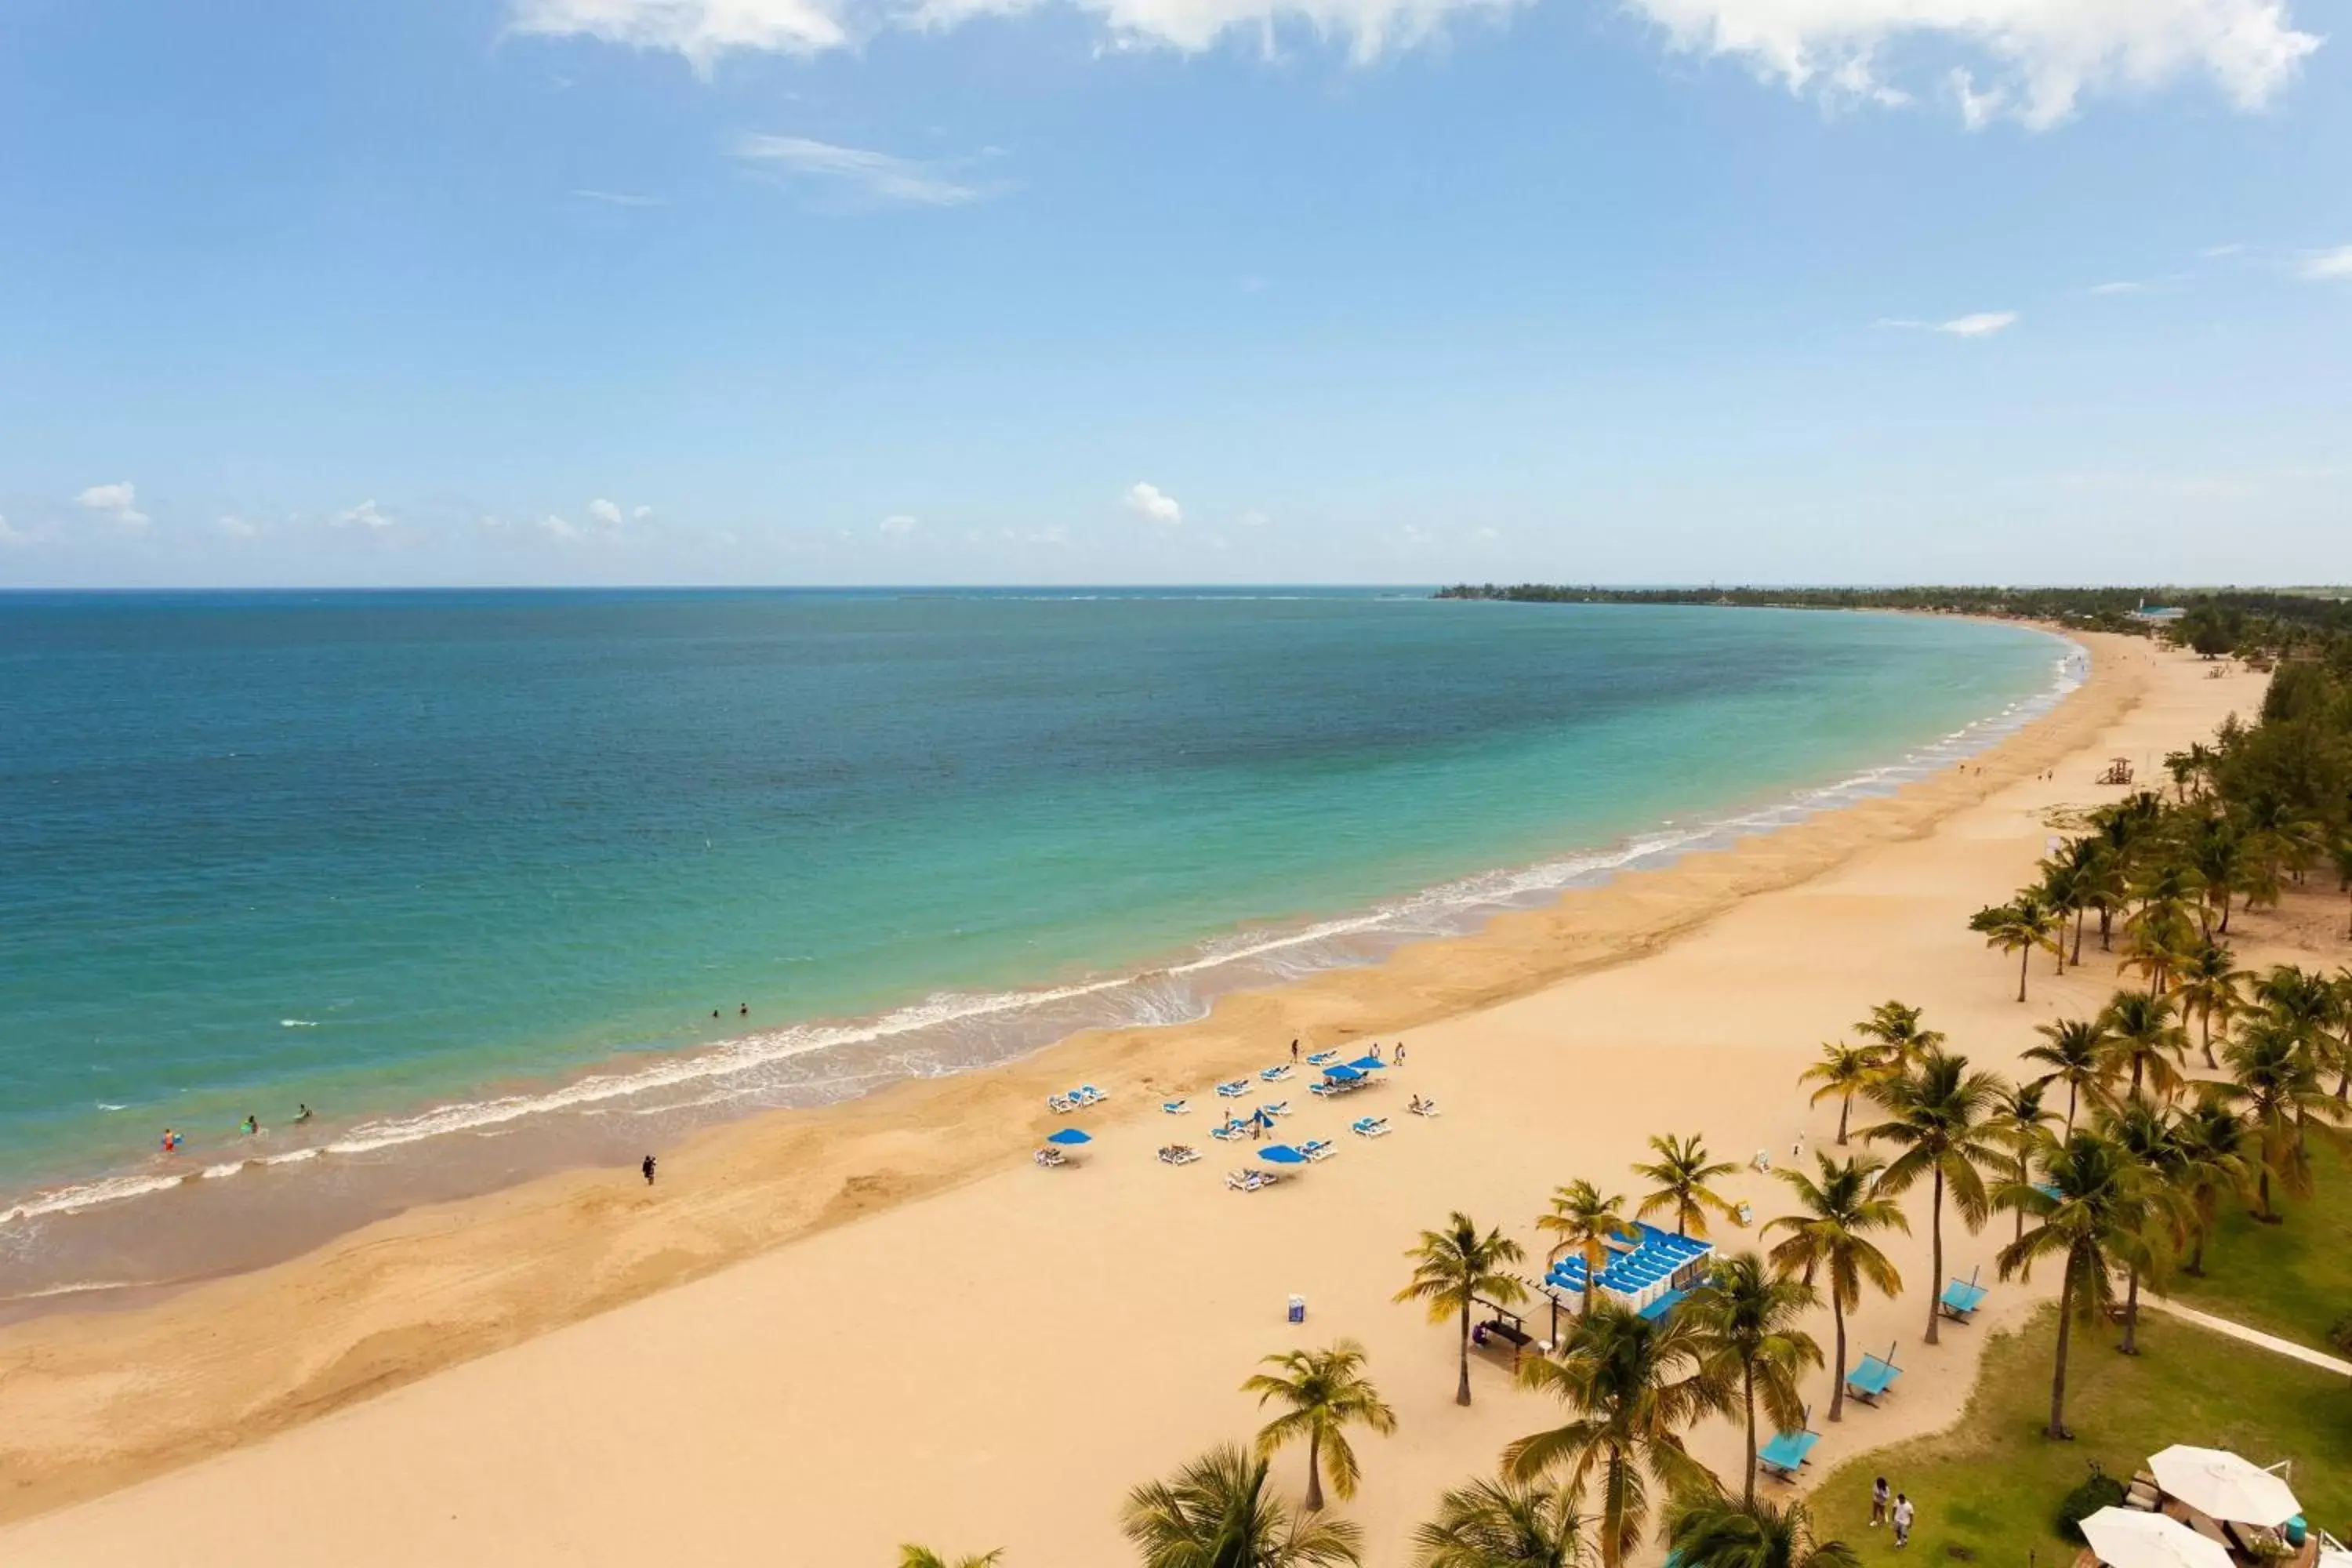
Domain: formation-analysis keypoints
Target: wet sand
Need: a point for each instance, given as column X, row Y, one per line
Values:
column 937, row 1341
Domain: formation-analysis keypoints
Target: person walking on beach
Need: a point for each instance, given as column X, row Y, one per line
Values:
column 1400, row 1056
column 1903, row 1513
column 1878, row 1495
column 1294, row 1052
column 648, row 1169
column 171, row 1141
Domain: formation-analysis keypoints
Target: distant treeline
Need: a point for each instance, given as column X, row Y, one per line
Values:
column 2214, row 621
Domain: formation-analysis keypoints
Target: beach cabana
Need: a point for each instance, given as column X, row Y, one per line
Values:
column 1962, row 1298
column 1788, row 1452
column 2126, row 1538
column 2223, row 1485
column 1871, row 1380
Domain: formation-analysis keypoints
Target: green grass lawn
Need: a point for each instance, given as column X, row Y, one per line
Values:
column 1988, row 1492
column 2293, row 1280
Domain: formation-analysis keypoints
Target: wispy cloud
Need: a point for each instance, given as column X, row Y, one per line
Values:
column 879, row 179
column 2214, row 252
column 618, row 198
column 1153, row 504
column 2327, row 266
column 1983, row 324
column 897, row 525
column 2127, row 287
column 367, row 514
column 118, row 503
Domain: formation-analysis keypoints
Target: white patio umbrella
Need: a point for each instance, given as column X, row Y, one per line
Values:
column 2126, row 1538
column 2217, row 1482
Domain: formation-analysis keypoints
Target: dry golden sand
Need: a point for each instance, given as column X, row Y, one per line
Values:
column 828, row 1331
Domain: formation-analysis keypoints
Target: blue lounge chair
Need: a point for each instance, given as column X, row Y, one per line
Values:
column 1274, row 1074
column 1961, row 1299
column 1320, row 1058
column 1234, row 1090
column 1788, row 1452
column 1874, row 1377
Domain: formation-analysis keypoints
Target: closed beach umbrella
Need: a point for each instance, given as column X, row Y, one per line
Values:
column 2126, row 1538
column 1282, row 1155
column 1067, row 1135
column 2217, row 1482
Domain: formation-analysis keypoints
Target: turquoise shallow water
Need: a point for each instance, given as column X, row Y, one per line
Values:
column 376, row 852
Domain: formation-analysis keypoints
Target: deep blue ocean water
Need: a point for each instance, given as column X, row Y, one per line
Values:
column 376, row 851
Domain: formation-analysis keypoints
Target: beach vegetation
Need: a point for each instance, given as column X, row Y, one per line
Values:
column 1709, row 1531
column 1456, row 1268
column 1678, row 1182
column 1503, row 1523
column 1584, row 1217
column 1218, row 1512
column 2074, row 1050
column 1940, row 1115
column 1839, row 1209
column 1843, row 1072
column 1750, row 1319
column 1898, row 1033
column 2090, row 1210
column 2019, row 926
column 1325, row 1392
column 924, row 1557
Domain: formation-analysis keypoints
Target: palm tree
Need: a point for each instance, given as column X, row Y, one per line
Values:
column 1326, row 1392
column 2341, row 853
column 2160, row 925
column 2086, row 1210
column 2142, row 1038
column 2207, row 986
column 924, row 1557
column 2211, row 1145
column 2067, row 889
column 2275, row 1085
column 1831, row 1234
column 1217, row 1513
column 1898, row 1033
column 2018, row 926
column 2139, row 1128
column 1709, row 1531
column 1453, row 1268
column 1843, row 1072
column 2018, row 1120
column 1502, row 1525
column 1585, row 1219
column 1632, row 1386
column 2217, row 855
column 1940, row 1118
column 1749, row 1319
column 1679, row 1178
column 2076, row 1056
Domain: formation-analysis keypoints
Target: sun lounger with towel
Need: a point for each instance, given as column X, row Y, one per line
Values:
column 1274, row 1107
column 1050, row 1158
column 1060, row 1102
column 1250, row 1180
column 1423, row 1107
column 1234, row 1090
column 1174, row 1107
column 1274, row 1074
column 1371, row 1127
column 1961, row 1299
column 1871, row 1380
column 1233, row 1129
column 1318, row 1149
column 1322, row 1058
column 1179, row 1154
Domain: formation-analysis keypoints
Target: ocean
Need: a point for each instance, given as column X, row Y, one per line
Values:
column 546, row 875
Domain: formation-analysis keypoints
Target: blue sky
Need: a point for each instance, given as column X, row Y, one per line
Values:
column 523, row 291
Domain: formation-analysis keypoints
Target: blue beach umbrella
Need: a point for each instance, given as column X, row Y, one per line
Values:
column 1282, row 1155
column 1367, row 1064
column 1341, row 1074
column 1069, row 1135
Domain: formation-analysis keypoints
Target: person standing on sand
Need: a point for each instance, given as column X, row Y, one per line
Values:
column 648, row 1169
column 1294, row 1052
column 1903, row 1513
column 1878, row 1493
column 1400, row 1056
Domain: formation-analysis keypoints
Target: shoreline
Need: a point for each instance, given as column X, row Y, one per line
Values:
column 1659, row 1001
column 156, row 1232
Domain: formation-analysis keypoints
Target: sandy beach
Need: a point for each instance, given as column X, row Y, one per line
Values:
column 826, row 1333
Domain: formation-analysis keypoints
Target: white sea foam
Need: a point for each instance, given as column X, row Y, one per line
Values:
column 1149, row 997
column 297, row 1022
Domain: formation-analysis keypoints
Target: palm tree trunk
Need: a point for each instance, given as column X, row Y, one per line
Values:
column 1748, row 1387
column 2137, row 1063
column 2106, row 928
column 1314, row 1470
column 2080, row 909
column 1845, row 1111
column 1462, row 1393
column 1936, row 1247
column 2195, row 1268
column 2057, row 1427
column 2205, row 1023
column 2263, row 1197
column 2025, row 956
column 2072, row 1090
column 2131, row 1313
column 1837, row 1389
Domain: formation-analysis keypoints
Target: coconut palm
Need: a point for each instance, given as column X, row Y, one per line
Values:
column 2217, row 855
column 2341, row 853
column 1709, row 1531
column 1503, row 1524
column 2075, row 1056
column 1217, row 1513
column 2275, row 1084
column 1454, row 1267
column 1830, row 1233
column 2143, row 1040
column 1679, row 1178
column 2065, row 890
column 1327, row 1393
column 1584, row 1219
column 2211, row 1143
column 1632, row 1386
column 2139, row 1127
column 1749, row 1319
column 1842, row 1072
column 2018, row 926
column 2018, row 1120
column 1897, row 1032
column 1940, row 1118
column 2208, row 987
column 924, row 1557
column 2088, row 1211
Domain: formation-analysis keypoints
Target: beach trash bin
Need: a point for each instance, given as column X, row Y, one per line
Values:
column 2296, row 1530
column 1298, row 1309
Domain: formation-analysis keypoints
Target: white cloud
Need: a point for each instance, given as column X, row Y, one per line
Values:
column 367, row 514
column 1153, row 505
column 235, row 527
column 897, row 525
column 116, row 503
column 2327, row 265
column 2122, row 287
column 2043, row 56
column 1056, row 535
column 641, row 514
column 605, row 512
column 1252, row 518
column 701, row 30
column 1983, row 324
column 876, row 178
column 555, row 527
column 618, row 198
column 2212, row 251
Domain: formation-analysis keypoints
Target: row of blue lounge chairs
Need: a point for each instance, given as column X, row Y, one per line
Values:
column 1085, row 1094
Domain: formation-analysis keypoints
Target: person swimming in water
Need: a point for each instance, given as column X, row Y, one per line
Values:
column 301, row 1114
column 171, row 1141
column 252, row 1125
